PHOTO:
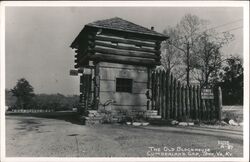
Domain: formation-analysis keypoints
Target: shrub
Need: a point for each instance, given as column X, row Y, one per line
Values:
column 228, row 115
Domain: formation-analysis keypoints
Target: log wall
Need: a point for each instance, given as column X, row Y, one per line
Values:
column 118, row 49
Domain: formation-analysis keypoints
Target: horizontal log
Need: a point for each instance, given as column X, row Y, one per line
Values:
column 78, row 55
column 128, row 58
column 84, row 58
column 123, row 59
column 140, row 35
column 106, row 44
column 124, row 52
column 123, row 40
column 83, row 64
column 82, row 61
column 130, row 36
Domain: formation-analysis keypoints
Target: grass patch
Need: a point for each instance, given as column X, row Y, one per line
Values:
column 232, row 112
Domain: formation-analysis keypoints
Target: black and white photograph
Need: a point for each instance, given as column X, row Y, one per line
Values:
column 159, row 82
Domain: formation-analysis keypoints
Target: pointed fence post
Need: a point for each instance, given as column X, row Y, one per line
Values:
column 159, row 92
column 194, row 103
column 164, row 85
column 213, row 102
column 175, row 99
column 219, row 103
column 188, row 102
column 158, row 98
column 211, row 109
column 171, row 97
column 204, row 114
column 191, row 101
column 153, row 90
column 182, row 101
column 184, row 114
column 199, row 102
column 168, row 95
column 179, row 100
column 208, row 109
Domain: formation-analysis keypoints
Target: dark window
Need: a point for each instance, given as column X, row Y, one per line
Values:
column 124, row 85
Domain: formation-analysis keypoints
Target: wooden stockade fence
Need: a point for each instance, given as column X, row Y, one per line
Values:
column 175, row 100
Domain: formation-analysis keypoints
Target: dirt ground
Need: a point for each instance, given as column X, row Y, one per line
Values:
column 32, row 136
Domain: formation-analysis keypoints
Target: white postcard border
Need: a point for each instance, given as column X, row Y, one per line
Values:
column 243, row 4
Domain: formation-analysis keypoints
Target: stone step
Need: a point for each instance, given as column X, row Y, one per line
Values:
column 152, row 111
column 149, row 114
column 154, row 117
column 92, row 112
column 94, row 118
column 94, row 115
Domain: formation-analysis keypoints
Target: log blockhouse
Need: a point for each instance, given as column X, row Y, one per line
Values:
column 116, row 57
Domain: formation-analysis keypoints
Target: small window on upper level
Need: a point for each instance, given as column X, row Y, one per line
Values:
column 124, row 85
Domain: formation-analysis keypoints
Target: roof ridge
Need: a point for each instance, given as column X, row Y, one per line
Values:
column 137, row 25
column 134, row 28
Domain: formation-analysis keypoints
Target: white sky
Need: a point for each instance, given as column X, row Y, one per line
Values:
column 38, row 38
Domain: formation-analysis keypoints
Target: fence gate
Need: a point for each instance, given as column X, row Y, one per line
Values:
column 175, row 100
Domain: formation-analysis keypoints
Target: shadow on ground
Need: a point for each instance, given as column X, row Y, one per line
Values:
column 68, row 116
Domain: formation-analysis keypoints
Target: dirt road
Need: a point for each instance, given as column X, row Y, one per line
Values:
column 28, row 136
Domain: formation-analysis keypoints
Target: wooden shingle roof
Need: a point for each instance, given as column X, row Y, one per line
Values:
column 117, row 23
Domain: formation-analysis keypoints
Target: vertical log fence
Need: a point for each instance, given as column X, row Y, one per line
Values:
column 175, row 100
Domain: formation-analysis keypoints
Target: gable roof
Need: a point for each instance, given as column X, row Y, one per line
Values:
column 119, row 24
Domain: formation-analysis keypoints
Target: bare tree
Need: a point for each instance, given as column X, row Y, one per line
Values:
column 197, row 48
column 171, row 57
column 209, row 61
column 188, row 30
